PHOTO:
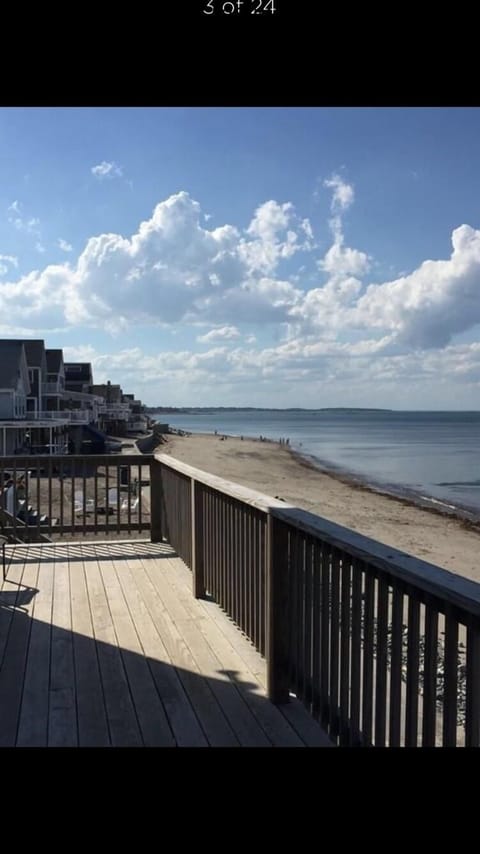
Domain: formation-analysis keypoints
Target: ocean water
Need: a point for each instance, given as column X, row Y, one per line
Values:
column 430, row 457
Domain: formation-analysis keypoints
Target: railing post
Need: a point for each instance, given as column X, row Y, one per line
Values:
column 472, row 723
column 157, row 522
column 277, row 605
column 197, row 541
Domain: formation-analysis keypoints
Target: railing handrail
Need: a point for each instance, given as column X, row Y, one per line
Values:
column 429, row 578
column 52, row 387
column 60, row 414
column 100, row 459
column 257, row 499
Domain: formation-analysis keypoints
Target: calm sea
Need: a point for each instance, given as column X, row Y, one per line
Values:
column 431, row 457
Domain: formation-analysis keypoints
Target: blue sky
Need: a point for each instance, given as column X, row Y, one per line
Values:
column 267, row 256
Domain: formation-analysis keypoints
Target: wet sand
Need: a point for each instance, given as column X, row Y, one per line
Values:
column 277, row 471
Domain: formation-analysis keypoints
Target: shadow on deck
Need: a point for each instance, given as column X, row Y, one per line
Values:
column 103, row 644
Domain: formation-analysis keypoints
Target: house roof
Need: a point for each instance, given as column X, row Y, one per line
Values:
column 81, row 371
column 10, row 359
column 54, row 360
column 34, row 351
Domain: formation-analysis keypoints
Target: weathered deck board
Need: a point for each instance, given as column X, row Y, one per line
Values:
column 122, row 720
column 182, row 581
column 91, row 714
column 230, row 708
column 150, row 712
column 192, row 697
column 276, row 730
column 62, row 715
column 33, row 724
column 21, row 580
column 102, row 644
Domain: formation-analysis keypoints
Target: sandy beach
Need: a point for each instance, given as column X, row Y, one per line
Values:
column 275, row 470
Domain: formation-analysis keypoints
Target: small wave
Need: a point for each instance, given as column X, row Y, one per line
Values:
column 470, row 483
column 436, row 501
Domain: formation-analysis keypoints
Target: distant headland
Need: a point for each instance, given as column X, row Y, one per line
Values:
column 193, row 409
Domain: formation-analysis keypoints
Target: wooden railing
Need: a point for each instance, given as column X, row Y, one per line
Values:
column 382, row 648
column 51, row 497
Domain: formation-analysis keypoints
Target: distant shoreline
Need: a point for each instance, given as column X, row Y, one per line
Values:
column 196, row 410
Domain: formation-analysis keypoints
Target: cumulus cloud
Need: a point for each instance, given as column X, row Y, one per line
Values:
column 64, row 245
column 107, row 169
column 223, row 333
column 341, row 260
column 274, row 231
column 175, row 269
column 433, row 303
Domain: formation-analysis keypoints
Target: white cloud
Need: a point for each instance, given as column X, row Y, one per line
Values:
column 107, row 170
column 274, row 230
column 64, row 245
column 40, row 247
column 173, row 269
column 343, row 193
column 436, row 301
column 223, row 333
column 340, row 260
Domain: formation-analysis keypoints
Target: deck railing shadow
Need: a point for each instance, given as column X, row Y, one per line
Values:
column 17, row 599
column 86, row 551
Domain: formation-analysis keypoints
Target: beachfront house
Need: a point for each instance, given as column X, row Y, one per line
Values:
column 78, row 399
column 138, row 421
column 78, row 376
column 54, row 387
column 114, row 414
column 24, row 425
column 84, row 406
column 37, row 373
column 14, row 389
column 48, row 405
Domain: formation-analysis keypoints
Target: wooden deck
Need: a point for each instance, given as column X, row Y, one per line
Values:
column 102, row 644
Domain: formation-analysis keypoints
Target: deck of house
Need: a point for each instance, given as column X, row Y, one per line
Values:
column 103, row 644
column 240, row 621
